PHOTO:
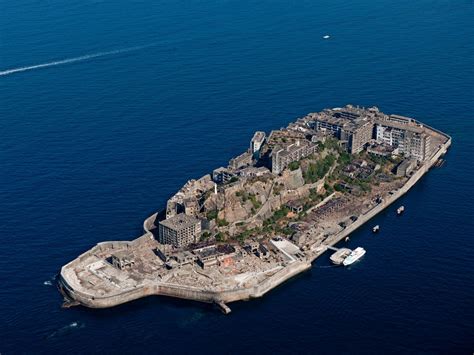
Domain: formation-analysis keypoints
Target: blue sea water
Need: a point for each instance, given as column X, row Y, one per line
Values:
column 89, row 149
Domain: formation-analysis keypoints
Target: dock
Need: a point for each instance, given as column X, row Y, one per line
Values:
column 339, row 256
column 223, row 307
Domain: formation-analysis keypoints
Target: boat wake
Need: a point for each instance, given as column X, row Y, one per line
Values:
column 73, row 60
column 66, row 329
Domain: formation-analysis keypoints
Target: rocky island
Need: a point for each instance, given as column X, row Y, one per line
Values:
column 242, row 230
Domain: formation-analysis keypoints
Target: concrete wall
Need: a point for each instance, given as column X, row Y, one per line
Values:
column 388, row 201
column 186, row 292
column 192, row 293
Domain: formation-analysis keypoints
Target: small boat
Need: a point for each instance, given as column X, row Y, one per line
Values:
column 347, row 239
column 355, row 255
column 376, row 229
column 326, row 36
column 400, row 210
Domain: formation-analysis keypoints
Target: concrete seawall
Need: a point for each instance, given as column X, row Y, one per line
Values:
column 364, row 218
column 151, row 287
column 185, row 292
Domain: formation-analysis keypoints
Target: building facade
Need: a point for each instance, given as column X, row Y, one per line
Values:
column 282, row 157
column 179, row 230
column 354, row 127
column 256, row 143
column 410, row 141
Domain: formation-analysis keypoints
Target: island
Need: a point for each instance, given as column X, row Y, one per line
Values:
column 242, row 230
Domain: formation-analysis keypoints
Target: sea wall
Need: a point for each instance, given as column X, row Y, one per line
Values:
column 225, row 296
column 185, row 292
column 392, row 198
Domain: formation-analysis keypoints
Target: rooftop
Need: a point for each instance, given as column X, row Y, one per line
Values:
column 258, row 136
column 179, row 221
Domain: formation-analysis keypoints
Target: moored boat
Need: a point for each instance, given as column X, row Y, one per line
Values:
column 355, row 255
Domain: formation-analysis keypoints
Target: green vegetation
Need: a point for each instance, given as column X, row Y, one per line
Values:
column 222, row 222
column 211, row 215
column 379, row 160
column 277, row 215
column 256, row 204
column 344, row 158
column 329, row 189
column 330, row 143
column 205, row 236
column 364, row 185
column 244, row 196
column 233, row 179
column 220, row 237
column 314, row 196
column 294, row 165
column 317, row 170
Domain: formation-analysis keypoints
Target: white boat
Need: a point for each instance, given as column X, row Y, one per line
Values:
column 400, row 209
column 376, row 228
column 326, row 36
column 355, row 255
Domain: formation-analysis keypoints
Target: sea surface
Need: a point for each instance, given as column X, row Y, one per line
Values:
column 168, row 90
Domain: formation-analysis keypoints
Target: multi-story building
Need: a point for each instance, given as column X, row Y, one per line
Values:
column 405, row 134
column 222, row 175
column 357, row 135
column 392, row 136
column 179, row 230
column 244, row 159
column 256, row 143
column 353, row 126
column 418, row 146
column 282, row 157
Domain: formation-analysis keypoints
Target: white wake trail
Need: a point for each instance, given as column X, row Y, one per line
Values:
column 72, row 60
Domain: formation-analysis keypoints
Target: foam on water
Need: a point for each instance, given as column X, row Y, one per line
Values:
column 73, row 60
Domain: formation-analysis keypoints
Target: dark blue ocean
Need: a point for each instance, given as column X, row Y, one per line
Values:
column 90, row 148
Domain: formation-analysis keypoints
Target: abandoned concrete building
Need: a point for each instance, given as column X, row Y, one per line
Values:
column 179, row 230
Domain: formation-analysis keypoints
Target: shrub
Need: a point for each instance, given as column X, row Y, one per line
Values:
column 220, row 237
column 222, row 222
column 294, row 165
column 211, row 215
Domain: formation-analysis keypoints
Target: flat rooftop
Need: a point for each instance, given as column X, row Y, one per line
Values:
column 179, row 221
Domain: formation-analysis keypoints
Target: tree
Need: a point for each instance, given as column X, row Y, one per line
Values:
column 211, row 215
column 294, row 165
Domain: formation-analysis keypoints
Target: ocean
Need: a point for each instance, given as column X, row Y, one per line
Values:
column 108, row 107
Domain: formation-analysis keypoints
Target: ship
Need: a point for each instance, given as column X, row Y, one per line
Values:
column 376, row 229
column 400, row 210
column 355, row 255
